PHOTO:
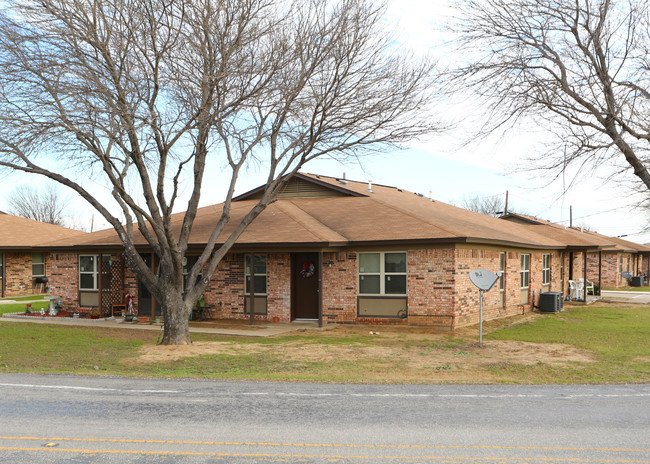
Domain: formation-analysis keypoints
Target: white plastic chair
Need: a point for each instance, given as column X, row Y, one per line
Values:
column 576, row 290
column 589, row 287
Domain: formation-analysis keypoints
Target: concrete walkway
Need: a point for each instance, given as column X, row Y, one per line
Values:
column 261, row 329
column 626, row 296
column 3, row 301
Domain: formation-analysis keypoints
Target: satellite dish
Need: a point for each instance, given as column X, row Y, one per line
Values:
column 483, row 279
column 626, row 275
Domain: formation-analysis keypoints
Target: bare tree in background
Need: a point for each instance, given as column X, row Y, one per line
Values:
column 493, row 205
column 578, row 68
column 147, row 92
column 44, row 205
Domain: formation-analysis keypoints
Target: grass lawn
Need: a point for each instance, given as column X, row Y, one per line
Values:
column 595, row 344
column 617, row 335
column 27, row 298
column 20, row 307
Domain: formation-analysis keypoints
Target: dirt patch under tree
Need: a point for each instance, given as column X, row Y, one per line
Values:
column 415, row 349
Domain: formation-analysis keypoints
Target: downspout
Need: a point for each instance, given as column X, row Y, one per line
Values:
column 251, row 302
column 600, row 272
column 100, row 283
column 2, row 274
column 584, row 282
column 320, row 289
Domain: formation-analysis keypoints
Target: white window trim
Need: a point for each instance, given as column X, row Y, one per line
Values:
column 247, row 274
column 41, row 263
column 382, row 274
column 502, row 268
column 546, row 271
column 94, row 273
column 524, row 271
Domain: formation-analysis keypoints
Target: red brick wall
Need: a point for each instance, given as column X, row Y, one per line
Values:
column 610, row 276
column 439, row 290
column 64, row 279
column 340, row 287
column 224, row 295
column 467, row 310
column 278, row 286
column 432, row 274
column 18, row 273
column 496, row 304
column 610, row 266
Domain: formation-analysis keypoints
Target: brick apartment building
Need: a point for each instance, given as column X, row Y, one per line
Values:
column 23, row 261
column 340, row 251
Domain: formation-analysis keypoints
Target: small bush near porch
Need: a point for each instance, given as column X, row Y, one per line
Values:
column 597, row 344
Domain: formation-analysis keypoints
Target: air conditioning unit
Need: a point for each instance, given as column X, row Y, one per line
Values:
column 637, row 281
column 550, row 302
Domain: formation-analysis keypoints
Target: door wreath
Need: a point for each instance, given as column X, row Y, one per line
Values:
column 308, row 270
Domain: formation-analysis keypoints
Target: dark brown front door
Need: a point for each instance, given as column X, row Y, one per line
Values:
column 304, row 280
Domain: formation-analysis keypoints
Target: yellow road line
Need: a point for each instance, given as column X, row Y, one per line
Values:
column 320, row 456
column 323, row 445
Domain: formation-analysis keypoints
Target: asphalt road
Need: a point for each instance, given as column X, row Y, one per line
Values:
column 65, row 419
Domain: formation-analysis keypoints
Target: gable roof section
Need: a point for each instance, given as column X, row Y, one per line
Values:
column 304, row 186
column 21, row 233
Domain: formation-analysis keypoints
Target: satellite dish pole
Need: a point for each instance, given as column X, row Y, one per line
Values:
column 484, row 280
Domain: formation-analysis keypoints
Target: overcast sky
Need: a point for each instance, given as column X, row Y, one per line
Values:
column 442, row 167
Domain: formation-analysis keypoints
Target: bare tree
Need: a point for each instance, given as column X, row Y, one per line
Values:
column 493, row 205
column 147, row 92
column 46, row 205
column 578, row 68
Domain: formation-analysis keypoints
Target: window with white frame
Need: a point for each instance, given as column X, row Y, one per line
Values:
column 382, row 273
column 502, row 268
column 546, row 269
column 88, row 275
column 38, row 264
column 260, row 275
column 525, row 271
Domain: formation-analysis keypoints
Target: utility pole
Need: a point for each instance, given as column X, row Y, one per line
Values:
column 570, row 216
column 506, row 208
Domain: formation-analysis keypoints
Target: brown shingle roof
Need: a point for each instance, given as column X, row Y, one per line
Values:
column 385, row 215
column 623, row 245
column 575, row 236
column 20, row 233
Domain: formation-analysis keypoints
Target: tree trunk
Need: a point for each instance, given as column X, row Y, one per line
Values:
column 176, row 314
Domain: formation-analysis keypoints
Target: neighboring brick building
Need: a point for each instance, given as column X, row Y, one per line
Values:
column 606, row 266
column 340, row 251
column 23, row 264
column 624, row 257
